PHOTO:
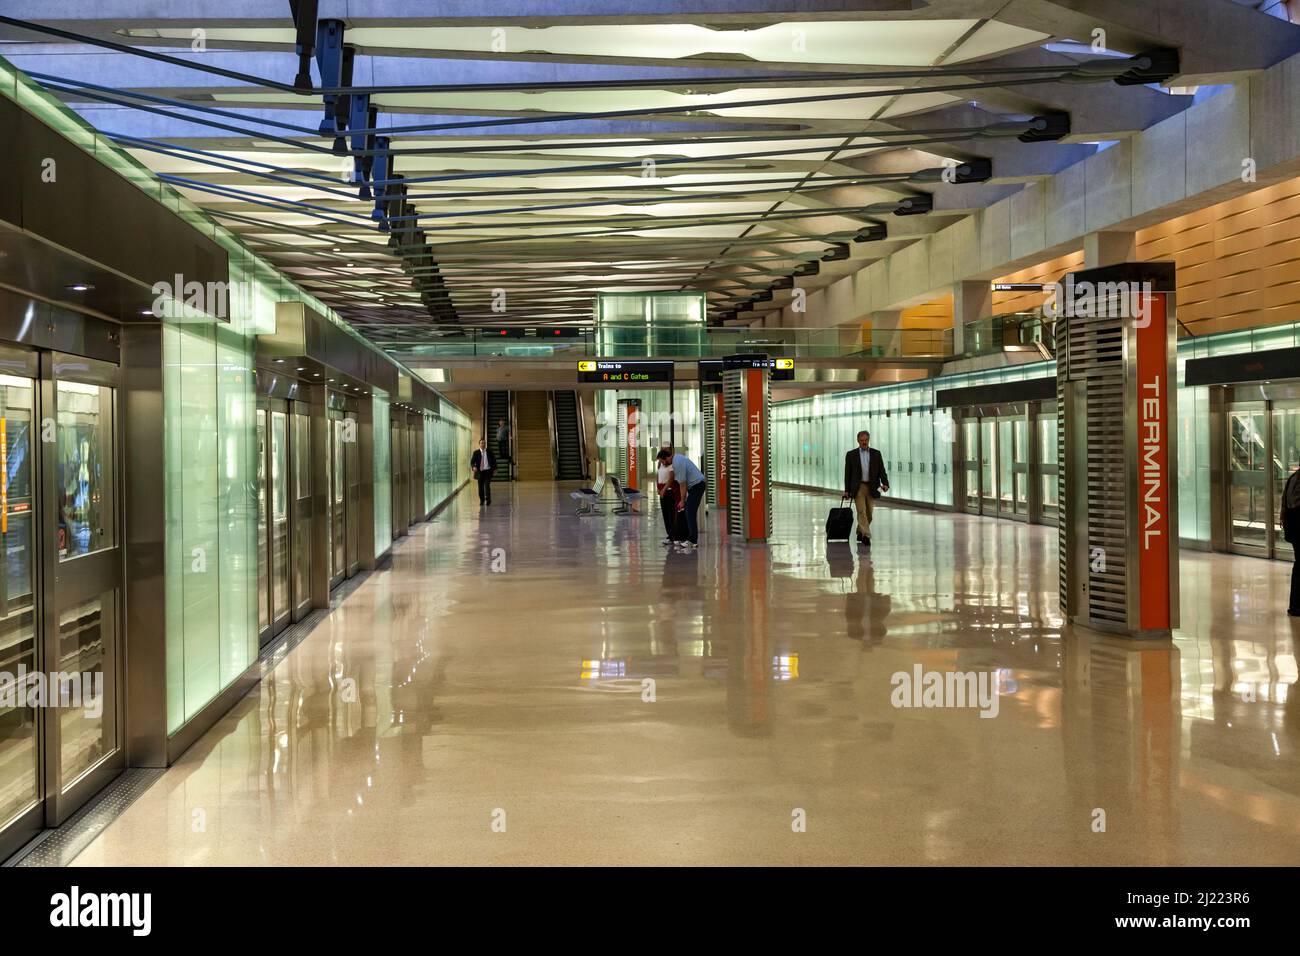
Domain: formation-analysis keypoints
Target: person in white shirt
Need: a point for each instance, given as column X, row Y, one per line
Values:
column 685, row 471
column 483, row 465
column 670, row 497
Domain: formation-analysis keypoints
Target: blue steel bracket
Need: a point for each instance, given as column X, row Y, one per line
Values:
column 383, row 162
column 329, row 60
column 304, row 22
column 343, row 102
column 359, row 118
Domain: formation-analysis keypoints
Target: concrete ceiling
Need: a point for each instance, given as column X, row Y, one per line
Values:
column 524, row 191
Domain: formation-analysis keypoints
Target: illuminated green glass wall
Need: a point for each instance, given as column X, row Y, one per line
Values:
column 383, row 472
column 1194, row 460
column 811, row 435
column 447, row 443
column 210, row 455
column 211, row 513
column 210, row 439
column 650, row 323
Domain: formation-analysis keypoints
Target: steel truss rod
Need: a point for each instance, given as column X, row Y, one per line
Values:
column 536, row 118
column 272, row 172
column 973, row 69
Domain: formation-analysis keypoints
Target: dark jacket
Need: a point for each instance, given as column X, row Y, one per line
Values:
column 875, row 472
column 1290, row 514
column 474, row 460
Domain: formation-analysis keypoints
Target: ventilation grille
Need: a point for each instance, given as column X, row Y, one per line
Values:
column 738, row 450
column 622, row 442
column 1091, row 350
column 733, row 402
column 709, row 430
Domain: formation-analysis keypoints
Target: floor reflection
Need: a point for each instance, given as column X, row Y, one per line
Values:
column 620, row 702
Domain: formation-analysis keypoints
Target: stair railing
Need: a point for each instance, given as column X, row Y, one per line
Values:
column 552, row 426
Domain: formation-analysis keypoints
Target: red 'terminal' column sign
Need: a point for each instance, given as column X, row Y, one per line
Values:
column 721, row 415
column 756, row 461
column 1154, row 427
column 633, row 466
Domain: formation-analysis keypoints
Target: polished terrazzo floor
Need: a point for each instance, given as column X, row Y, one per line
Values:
column 494, row 680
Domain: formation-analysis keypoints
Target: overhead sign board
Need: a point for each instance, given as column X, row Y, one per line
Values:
column 614, row 372
column 779, row 369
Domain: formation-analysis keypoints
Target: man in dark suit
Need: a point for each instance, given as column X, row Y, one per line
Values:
column 483, row 464
column 1291, row 532
column 864, row 480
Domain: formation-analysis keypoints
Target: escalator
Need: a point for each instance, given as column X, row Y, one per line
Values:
column 569, row 456
column 496, row 408
column 532, row 438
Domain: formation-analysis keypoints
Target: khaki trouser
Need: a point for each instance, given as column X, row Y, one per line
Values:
column 865, row 505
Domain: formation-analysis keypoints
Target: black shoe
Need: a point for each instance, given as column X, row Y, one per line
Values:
column 866, row 540
column 1293, row 613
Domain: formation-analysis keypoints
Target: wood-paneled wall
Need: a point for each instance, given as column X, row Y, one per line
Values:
column 1238, row 262
column 1004, row 303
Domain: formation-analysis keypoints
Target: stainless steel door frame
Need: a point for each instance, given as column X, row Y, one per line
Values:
column 1043, row 473
column 277, row 410
column 1018, row 417
column 264, row 612
column 415, row 439
column 337, row 503
column 967, row 464
column 68, row 582
column 1251, row 477
column 396, row 529
column 22, row 823
column 301, row 509
column 988, row 461
column 1279, row 468
column 352, row 457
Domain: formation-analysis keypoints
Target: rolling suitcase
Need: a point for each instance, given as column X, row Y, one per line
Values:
column 839, row 523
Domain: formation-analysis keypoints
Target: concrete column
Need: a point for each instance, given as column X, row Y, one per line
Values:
column 884, row 332
column 850, row 336
column 1109, row 248
column 971, row 301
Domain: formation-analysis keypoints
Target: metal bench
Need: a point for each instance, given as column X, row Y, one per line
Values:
column 590, row 499
column 626, row 499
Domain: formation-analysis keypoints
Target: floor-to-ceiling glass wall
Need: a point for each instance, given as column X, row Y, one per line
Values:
column 60, row 605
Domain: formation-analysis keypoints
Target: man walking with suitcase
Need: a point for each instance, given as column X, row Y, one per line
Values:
column 1290, row 516
column 864, row 480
